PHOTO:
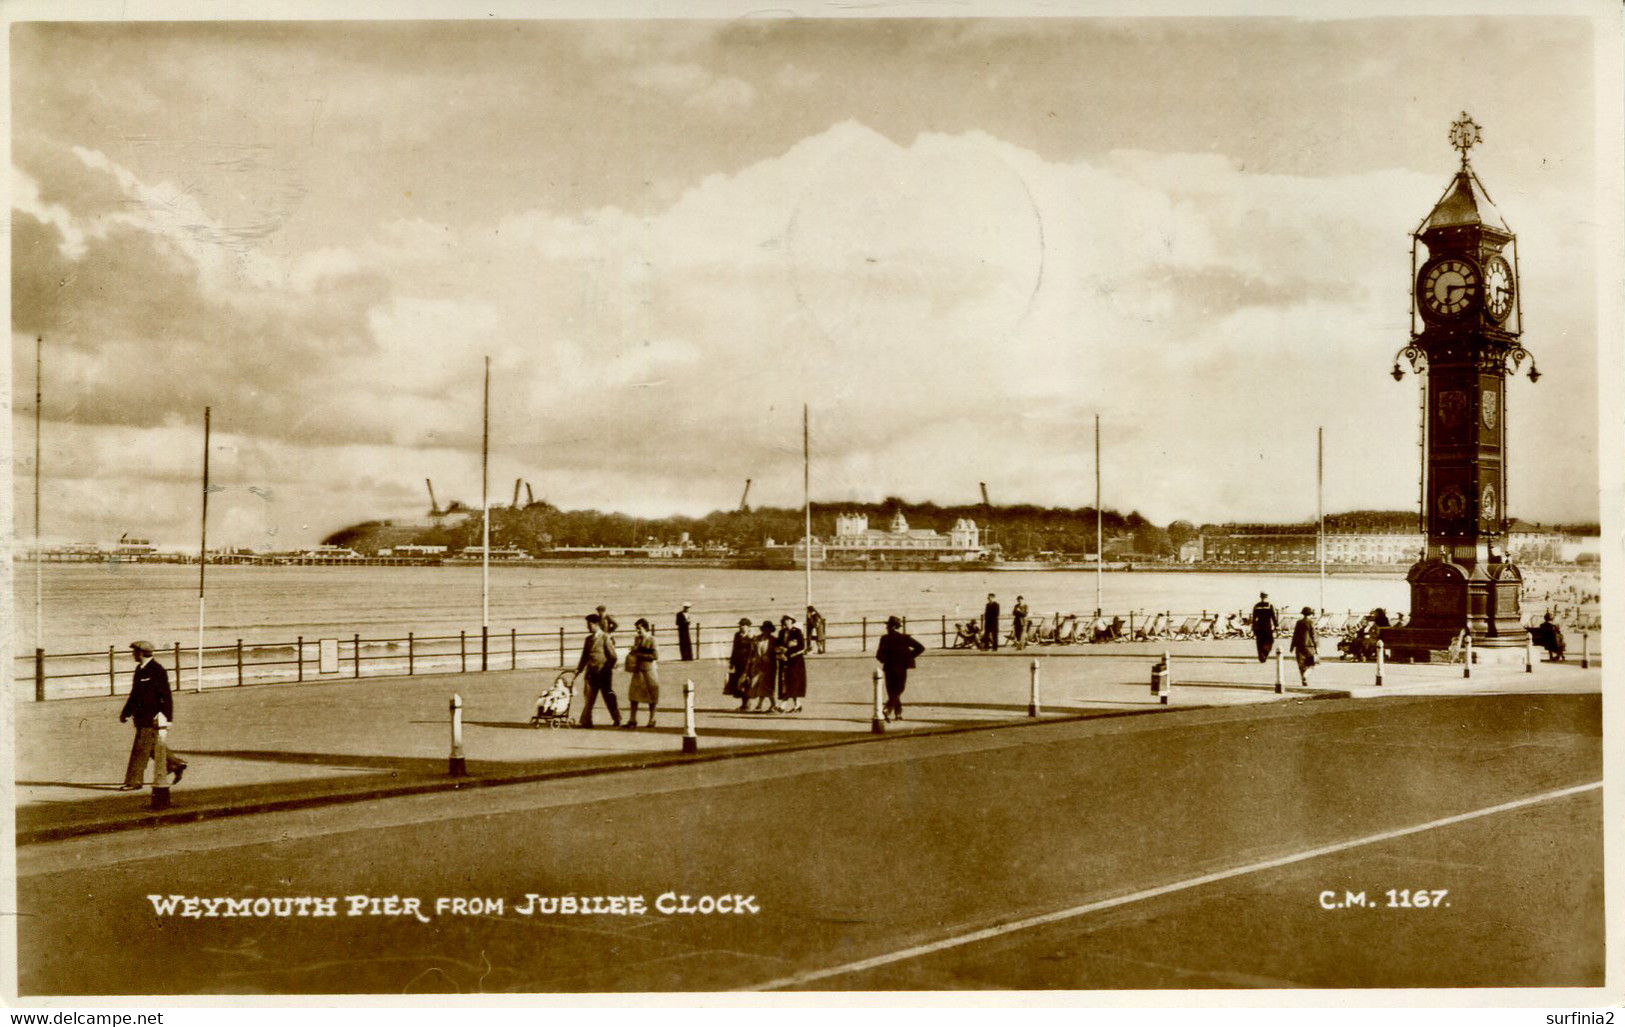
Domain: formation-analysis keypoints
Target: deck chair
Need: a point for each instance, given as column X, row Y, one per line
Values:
column 1188, row 628
column 1068, row 632
column 1204, row 628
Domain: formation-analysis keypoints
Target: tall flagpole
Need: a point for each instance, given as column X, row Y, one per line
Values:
column 485, row 506
column 1320, row 509
column 1100, row 552
column 806, row 493
column 39, row 555
column 202, row 559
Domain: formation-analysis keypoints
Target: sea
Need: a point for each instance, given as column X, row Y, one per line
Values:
column 88, row 607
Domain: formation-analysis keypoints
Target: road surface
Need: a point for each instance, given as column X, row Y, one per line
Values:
column 1185, row 850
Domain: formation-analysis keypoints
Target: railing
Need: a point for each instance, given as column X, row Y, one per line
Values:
column 351, row 657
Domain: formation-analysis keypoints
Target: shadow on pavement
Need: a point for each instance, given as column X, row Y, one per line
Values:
column 412, row 764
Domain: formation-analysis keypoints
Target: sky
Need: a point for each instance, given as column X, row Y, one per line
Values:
column 957, row 240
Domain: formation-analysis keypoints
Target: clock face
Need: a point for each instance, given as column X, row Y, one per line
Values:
column 1448, row 288
column 1498, row 288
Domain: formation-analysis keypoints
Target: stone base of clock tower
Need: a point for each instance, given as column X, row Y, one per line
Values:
column 1482, row 597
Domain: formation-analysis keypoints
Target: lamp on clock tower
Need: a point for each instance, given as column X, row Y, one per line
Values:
column 1466, row 320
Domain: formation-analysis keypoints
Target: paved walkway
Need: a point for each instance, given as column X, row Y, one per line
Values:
column 269, row 747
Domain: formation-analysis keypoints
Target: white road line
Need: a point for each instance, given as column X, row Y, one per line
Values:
column 802, row 979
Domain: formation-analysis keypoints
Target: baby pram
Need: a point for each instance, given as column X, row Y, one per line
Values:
column 553, row 705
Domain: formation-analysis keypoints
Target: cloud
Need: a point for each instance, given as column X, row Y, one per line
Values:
column 954, row 308
column 698, row 87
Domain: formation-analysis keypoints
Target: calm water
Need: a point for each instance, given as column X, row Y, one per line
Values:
column 88, row 607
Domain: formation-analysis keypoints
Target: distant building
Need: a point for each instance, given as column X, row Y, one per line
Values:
column 1253, row 546
column 855, row 540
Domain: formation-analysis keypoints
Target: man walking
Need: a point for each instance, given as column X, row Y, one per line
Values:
column 1265, row 620
column 896, row 653
column 149, row 700
column 685, row 647
column 990, row 623
column 598, row 659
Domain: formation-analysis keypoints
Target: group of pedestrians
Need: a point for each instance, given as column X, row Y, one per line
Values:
column 599, row 658
column 768, row 666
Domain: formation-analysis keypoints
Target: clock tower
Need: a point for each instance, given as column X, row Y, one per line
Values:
column 1466, row 321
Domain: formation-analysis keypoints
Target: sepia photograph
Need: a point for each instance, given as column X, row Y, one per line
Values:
column 1019, row 498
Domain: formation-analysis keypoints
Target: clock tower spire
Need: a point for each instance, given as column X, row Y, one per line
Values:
column 1466, row 322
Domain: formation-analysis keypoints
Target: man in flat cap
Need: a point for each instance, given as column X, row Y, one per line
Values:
column 149, row 699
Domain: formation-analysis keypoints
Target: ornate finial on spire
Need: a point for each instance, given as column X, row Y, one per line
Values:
column 1464, row 135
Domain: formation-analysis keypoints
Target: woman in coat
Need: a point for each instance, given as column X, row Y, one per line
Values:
column 792, row 656
column 763, row 667
column 641, row 661
column 1306, row 644
column 737, row 684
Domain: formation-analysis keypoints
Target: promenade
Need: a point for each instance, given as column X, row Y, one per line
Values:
column 271, row 747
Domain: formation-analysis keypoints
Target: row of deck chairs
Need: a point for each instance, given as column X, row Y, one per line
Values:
column 1070, row 629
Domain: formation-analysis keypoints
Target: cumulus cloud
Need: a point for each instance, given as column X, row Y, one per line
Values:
column 954, row 308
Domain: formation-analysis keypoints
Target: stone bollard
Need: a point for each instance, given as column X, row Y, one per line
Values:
column 1280, row 673
column 1528, row 654
column 1467, row 662
column 1033, row 705
column 1382, row 651
column 691, row 738
column 458, row 766
column 878, row 724
column 1585, row 651
column 160, row 764
column 1167, row 677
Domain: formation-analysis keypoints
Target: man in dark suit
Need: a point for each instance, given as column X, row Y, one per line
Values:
column 149, row 700
column 990, row 623
column 896, row 653
column 1265, row 621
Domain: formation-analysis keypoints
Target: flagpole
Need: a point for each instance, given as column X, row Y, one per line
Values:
column 485, row 519
column 1320, row 509
column 202, row 560
column 806, row 493
column 1100, row 552
column 39, row 555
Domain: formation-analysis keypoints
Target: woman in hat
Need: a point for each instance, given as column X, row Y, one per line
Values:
column 896, row 653
column 1306, row 644
column 645, row 686
column 763, row 667
column 792, row 657
column 737, row 684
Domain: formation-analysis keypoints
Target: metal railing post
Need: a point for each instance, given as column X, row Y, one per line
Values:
column 945, row 631
column 178, row 666
column 411, row 653
column 39, row 675
column 462, row 652
column 485, row 646
column 239, row 663
column 355, row 647
column 513, row 648
column 299, row 658
column 112, row 681
column 865, row 644
column 561, row 646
